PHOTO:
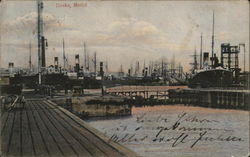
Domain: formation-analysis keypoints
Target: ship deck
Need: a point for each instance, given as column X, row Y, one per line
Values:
column 42, row 128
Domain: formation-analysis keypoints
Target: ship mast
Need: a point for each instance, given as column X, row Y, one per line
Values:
column 30, row 66
column 195, row 60
column 64, row 57
column 42, row 42
column 162, row 68
column 95, row 63
column 39, row 34
column 201, row 53
column 85, row 56
column 106, row 65
column 213, row 42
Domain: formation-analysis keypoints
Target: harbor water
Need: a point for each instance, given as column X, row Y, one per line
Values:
column 174, row 131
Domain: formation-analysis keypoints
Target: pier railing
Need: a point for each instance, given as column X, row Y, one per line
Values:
column 146, row 92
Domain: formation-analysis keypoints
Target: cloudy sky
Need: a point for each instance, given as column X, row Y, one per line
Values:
column 122, row 32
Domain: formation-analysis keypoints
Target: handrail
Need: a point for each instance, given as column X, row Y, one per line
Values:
column 13, row 104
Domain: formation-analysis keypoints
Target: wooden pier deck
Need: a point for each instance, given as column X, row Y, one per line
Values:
column 42, row 128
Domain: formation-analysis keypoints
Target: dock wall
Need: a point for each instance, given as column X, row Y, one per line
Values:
column 232, row 99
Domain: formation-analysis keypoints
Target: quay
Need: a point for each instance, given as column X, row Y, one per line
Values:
column 88, row 106
column 227, row 98
column 42, row 128
column 212, row 97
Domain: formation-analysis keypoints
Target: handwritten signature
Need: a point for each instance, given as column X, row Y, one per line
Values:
column 185, row 129
column 182, row 138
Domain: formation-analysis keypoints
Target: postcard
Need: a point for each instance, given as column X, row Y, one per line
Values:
column 124, row 78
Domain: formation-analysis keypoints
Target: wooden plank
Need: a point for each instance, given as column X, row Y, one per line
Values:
column 48, row 140
column 99, row 136
column 26, row 141
column 85, row 143
column 7, row 133
column 69, row 137
column 59, row 139
column 98, row 139
column 40, row 148
column 4, row 119
column 15, row 141
column 71, row 140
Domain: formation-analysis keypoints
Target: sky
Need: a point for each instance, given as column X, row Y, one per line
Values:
column 122, row 32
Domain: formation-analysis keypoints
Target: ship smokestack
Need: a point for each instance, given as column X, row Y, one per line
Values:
column 205, row 59
column 101, row 69
column 77, row 63
column 56, row 63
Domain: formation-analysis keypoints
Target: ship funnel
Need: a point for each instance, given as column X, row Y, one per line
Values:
column 205, row 59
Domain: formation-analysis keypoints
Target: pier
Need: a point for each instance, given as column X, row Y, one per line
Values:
column 146, row 92
column 213, row 98
column 227, row 98
column 42, row 128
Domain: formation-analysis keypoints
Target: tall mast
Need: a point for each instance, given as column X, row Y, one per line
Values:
column 39, row 37
column 64, row 57
column 135, row 68
column 138, row 66
column 201, row 53
column 85, row 56
column 162, row 67
column 213, row 42
column 173, row 64
column 95, row 62
column 67, row 61
column 244, row 59
column 144, row 64
column 107, row 66
column 30, row 57
column 195, row 60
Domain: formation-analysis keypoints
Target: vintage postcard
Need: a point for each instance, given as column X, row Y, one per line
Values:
column 124, row 78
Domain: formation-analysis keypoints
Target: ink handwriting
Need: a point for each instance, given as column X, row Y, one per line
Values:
column 184, row 129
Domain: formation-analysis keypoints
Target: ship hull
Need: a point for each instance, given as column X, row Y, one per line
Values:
column 211, row 78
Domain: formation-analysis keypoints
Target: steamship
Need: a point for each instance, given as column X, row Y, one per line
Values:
column 223, row 74
column 217, row 74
